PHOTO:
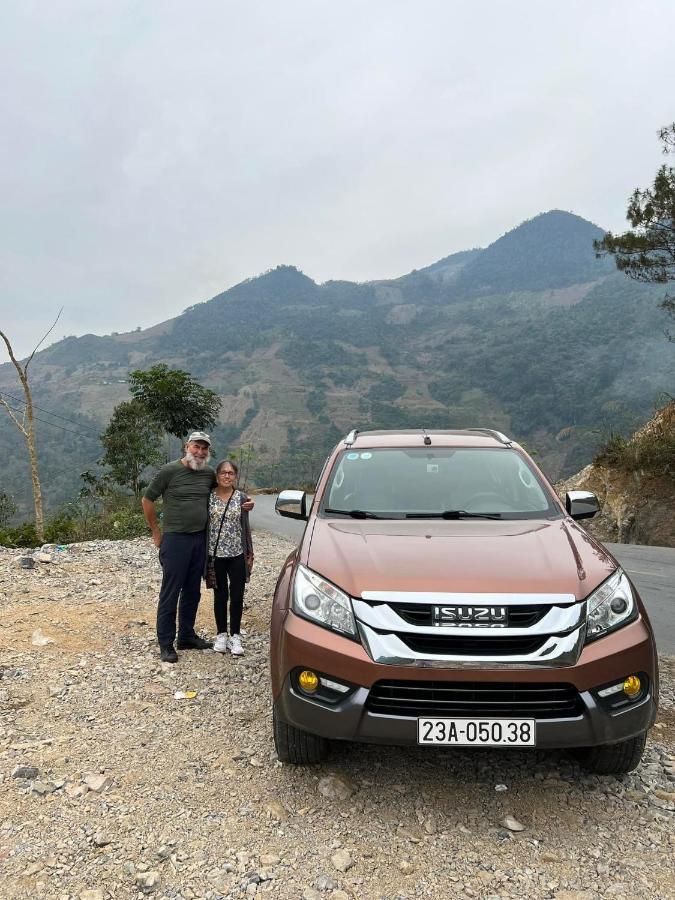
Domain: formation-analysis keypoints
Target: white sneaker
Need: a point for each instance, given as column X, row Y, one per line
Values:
column 220, row 643
column 234, row 645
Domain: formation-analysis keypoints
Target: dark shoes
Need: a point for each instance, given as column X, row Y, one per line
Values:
column 168, row 654
column 193, row 642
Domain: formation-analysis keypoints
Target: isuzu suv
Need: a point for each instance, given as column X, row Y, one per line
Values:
column 442, row 595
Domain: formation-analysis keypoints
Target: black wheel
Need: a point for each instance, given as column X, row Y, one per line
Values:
column 300, row 748
column 614, row 759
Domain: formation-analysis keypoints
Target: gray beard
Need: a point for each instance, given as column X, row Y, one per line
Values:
column 196, row 464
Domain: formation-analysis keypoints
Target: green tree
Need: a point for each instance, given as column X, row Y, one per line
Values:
column 175, row 400
column 131, row 442
column 7, row 508
column 647, row 251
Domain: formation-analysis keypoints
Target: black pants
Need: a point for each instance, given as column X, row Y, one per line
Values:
column 230, row 583
column 182, row 559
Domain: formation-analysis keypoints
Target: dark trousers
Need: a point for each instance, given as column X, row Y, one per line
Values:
column 182, row 558
column 230, row 569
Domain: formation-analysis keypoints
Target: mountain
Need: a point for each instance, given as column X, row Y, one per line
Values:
column 532, row 335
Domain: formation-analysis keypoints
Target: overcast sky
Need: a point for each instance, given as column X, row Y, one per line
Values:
column 155, row 153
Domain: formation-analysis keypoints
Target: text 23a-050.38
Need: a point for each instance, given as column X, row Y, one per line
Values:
column 477, row 732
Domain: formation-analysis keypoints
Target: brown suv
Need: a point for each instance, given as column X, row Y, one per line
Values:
column 442, row 595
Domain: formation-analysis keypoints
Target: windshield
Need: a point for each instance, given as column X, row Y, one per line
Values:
column 425, row 482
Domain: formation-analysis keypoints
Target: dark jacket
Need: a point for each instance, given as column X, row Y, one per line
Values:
column 246, row 538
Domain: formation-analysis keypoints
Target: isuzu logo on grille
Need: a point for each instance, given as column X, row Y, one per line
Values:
column 471, row 616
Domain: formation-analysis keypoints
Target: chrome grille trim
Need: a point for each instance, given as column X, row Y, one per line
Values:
column 556, row 620
column 557, row 651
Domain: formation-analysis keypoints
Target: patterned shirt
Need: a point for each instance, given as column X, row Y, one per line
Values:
column 229, row 543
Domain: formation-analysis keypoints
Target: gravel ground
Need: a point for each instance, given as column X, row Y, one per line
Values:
column 110, row 787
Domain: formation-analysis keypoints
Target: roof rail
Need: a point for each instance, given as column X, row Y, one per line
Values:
column 502, row 438
column 351, row 437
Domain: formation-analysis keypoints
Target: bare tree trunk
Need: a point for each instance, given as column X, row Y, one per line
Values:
column 27, row 427
column 35, row 477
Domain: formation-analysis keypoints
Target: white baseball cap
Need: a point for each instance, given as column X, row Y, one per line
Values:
column 199, row 436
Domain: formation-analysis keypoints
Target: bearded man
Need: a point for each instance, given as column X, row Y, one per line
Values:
column 184, row 486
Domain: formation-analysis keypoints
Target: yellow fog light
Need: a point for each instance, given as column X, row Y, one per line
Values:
column 308, row 681
column 632, row 686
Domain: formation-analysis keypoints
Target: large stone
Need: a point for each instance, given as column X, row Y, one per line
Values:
column 276, row 810
column 38, row 639
column 29, row 772
column 342, row 860
column 42, row 787
column 411, row 833
column 97, row 783
column 337, row 786
column 148, row 881
column 512, row 824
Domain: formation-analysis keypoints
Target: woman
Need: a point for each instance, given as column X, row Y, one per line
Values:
column 231, row 547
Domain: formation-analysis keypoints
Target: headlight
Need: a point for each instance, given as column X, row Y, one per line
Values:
column 319, row 600
column 610, row 606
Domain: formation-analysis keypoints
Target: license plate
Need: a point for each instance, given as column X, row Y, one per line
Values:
column 477, row 732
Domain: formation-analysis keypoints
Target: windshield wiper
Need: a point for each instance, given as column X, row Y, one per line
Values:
column 354, row 513
column 453, row 514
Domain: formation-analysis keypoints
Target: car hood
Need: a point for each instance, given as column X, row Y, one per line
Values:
column 469, row 556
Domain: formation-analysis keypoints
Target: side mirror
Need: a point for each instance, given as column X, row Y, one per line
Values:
column 292, row 504
column 581, row 504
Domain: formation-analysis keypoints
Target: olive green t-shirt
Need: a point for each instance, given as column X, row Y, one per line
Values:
column 185, row 495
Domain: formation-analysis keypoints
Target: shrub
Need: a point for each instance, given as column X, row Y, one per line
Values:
column 19, row 536
column 651, row 450
column 120, row 519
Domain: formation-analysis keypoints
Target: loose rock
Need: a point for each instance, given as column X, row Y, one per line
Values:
column 512, row 824
column 337, row 787
column 342, row 860
column 28, row 772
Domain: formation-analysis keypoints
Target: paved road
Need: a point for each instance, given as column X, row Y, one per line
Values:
column 651, row 568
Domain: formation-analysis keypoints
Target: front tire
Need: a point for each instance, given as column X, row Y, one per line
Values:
column 615, row 759
column 300, row 748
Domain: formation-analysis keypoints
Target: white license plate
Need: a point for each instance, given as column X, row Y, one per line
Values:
column 477, row 732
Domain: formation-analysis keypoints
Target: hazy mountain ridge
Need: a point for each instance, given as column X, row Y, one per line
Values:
column 533, row 335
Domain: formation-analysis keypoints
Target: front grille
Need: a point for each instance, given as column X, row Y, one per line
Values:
column 422, row 615
column 477, row 699
column 471, row 645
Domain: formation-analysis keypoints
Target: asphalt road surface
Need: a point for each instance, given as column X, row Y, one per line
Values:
column 651, row 568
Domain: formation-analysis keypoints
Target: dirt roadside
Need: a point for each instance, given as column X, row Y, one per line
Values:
column 134, row 793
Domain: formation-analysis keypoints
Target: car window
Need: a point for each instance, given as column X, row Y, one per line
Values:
column 398, row 482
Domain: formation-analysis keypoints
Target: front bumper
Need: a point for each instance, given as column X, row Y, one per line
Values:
column 349, row 720
column 612, row 658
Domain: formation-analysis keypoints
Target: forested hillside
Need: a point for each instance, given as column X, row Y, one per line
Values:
column 532, row 335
